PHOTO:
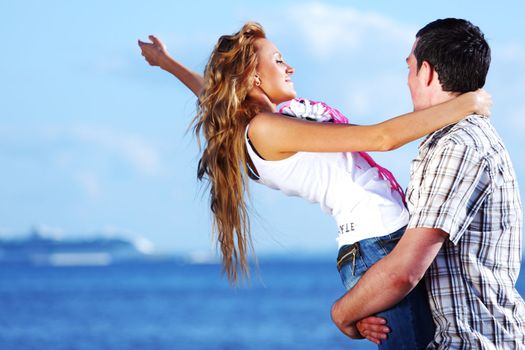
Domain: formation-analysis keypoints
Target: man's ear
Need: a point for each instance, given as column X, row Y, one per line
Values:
column 427, row 73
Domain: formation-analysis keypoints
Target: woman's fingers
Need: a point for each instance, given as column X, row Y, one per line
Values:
column 373, row 320
column 155, row 40
column 373, row 328
column 374, row 340
column 155, row 52
column 484, row 102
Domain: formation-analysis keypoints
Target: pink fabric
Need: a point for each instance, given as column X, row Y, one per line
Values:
column 312, row 111
column 338, row 117
column 322, row 112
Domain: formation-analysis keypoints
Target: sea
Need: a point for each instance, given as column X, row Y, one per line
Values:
column 172, row 304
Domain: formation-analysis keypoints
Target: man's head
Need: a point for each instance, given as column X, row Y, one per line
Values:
column 450, row 56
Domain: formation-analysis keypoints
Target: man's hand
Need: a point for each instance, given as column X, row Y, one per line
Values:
column 373, row 328
column 155, row 52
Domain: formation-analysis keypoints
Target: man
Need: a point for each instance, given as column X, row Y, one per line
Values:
column 466, row 214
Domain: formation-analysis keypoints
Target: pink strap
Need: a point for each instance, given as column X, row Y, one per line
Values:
column 384, row 173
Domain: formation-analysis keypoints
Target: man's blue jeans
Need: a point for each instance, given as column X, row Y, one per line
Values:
column 410, row 320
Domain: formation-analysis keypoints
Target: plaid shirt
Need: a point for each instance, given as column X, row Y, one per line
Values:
column 463, row 183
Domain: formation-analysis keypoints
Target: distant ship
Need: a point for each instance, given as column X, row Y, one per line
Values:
column 40, row 249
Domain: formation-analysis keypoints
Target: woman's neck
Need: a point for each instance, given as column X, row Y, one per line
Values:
column 269, row 108
column 261, row 99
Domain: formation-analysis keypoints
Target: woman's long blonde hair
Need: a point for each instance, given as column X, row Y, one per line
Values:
column 224, row 110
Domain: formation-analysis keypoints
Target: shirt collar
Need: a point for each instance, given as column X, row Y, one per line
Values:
column 431, row 139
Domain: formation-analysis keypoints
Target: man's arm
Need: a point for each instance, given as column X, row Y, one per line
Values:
column 455, row 183
column 389, row 280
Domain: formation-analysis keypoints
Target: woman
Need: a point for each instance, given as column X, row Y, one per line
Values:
column 244, row 80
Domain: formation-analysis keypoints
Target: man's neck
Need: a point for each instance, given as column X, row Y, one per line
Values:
column 442, row 96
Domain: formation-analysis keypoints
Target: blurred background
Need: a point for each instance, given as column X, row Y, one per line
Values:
column 105, row 236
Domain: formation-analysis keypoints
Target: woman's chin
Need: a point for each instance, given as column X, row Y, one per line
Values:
column 284, row 98
column 291, row 95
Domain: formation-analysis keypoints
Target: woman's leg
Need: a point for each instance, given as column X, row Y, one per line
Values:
column 410, row 321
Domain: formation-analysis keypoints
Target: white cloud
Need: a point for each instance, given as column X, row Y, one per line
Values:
column 90, row 183
column 82, row 162
column 135, row 150
column 519, row 123
column 89, row 156
column 331, row 30
column 505, row 81
column 377, row 97
column 511, row 52
column 111, row 63
column 350, row 58
column 66, row 143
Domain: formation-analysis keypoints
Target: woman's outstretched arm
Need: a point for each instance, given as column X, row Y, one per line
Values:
column 156, row 54
column 276, row 137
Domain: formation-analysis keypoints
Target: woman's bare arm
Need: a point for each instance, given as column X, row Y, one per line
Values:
column 156, row 54
column 276, row 137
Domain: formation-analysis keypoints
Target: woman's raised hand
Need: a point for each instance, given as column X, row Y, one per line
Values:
column 155, row 52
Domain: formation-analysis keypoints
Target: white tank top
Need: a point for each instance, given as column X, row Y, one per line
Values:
column 345, row 186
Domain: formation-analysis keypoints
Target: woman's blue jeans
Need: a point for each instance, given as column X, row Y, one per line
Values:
column 410, row 321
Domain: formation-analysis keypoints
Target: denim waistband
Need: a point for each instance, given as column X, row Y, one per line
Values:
column 352, row 251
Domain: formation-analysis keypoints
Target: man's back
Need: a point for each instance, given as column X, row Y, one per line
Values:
column 463, row 183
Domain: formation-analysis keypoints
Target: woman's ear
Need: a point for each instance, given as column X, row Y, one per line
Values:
column 257, row 80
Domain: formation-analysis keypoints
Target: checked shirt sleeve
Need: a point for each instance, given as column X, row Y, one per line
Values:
column 451, row 187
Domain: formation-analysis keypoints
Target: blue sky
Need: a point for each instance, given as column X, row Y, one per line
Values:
column 92, row 139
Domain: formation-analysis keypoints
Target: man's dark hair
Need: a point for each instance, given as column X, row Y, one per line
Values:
column 457, row 50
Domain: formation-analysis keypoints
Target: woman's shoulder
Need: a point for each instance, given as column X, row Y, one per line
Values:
column 262, row 124
column 265, row 118
column 269, row 133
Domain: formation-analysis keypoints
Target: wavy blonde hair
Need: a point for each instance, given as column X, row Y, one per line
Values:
column 224, row 110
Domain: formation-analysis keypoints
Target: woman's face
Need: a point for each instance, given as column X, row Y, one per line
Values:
column 274, row 74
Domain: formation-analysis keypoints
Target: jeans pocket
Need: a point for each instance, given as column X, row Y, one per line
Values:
column 351, row 265
column 347, row 253
column 351, row 273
